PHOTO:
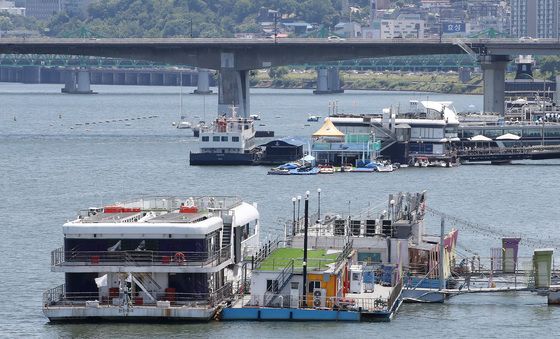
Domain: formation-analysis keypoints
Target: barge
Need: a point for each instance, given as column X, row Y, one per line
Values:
column 152, row 259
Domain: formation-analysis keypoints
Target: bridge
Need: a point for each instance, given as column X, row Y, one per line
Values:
column 234, row 58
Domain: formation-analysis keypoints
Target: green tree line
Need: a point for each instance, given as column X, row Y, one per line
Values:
column 208, row 18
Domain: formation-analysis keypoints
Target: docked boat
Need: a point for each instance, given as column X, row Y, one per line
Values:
column 305, row 170
column 183, row 124
column 152, row 259
column 227, row 141
column 346, row 268
column 326, row 169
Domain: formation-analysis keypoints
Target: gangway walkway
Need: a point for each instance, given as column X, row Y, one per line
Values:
column 506, row 154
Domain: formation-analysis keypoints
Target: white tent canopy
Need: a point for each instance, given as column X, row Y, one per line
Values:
column 508, row 136
column 480, row 138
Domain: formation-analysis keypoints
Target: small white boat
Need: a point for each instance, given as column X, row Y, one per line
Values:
column 326, row 169
column 255, row 117
column 184, row 125
column 385, row 168
column 313, row 118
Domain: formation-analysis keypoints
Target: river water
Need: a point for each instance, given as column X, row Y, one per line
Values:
column 51, row 167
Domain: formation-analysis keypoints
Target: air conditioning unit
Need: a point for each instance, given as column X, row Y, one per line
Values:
column 319, row 297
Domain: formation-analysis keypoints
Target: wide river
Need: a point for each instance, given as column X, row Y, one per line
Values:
column 51, row 167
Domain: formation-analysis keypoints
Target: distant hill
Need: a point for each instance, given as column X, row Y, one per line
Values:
column 210, row 18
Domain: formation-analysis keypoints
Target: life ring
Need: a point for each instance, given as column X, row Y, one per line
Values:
column 179, row 257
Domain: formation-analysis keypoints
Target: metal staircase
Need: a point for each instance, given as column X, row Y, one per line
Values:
column 281, row 280
column 226, row 235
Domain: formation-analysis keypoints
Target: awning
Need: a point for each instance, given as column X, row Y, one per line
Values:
column 480, row 138
column 328, row 130
column 508, row 136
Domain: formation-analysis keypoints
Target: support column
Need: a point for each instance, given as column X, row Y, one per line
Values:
column 77, row 82
column 3, row 74
column 31, row 74
column 233, row 90
column 84, row 81
column 328, row 81
column 203, row 82
column 107, row 78
column 494, row 69
column 156, row 79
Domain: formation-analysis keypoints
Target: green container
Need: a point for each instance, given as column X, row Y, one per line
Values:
column 542, row 267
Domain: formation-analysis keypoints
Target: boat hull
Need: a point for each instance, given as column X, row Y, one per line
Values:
column 61, row 314
column 203, row 159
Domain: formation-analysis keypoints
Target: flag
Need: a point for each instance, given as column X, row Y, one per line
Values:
column 115, row 247
column 101, row 281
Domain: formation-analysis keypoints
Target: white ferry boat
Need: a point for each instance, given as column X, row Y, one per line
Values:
column 152, row 259
column 227, row 141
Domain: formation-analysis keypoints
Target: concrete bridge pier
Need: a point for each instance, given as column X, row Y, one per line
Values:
column 233, row 90
column 3, row 74
column 203, row 82
column 328, row 81
column 494, row 70
column 13, row 75
column 107, row 78
column 131, row 78
column 156, row 79
column 144, row 79
column 77, row 82
column 118, row 78
column 31, row 75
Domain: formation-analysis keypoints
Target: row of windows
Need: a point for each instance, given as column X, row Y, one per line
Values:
column 218, row 139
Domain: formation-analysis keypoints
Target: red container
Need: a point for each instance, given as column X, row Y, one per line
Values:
column 112, row 209
column 170, row 294
column 94, row 259
column 165, row 259
column 113, row 292
column 138, row 301
column 186, row 209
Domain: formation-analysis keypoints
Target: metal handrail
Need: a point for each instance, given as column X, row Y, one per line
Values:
column 58, row 296
column 60, row 257
column 281, row 281
column 348, row 303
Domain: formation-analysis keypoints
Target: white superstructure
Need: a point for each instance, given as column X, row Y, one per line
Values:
column 152, row 258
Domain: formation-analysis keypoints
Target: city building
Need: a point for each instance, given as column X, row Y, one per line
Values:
column 11, row 8
column 348, row 29
column 406, row 26
column 43, row 9
column 534, row 18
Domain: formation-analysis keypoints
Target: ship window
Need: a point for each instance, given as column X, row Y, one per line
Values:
column 205, row 139
column 272, row 286
column 224, row 138
column 314, row 285
column 215, row 138
column 235, row 139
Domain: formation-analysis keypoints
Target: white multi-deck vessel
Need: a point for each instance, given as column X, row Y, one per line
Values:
column 152, row 259
column 227, row 141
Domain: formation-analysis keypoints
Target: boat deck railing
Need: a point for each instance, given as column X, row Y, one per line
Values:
column 60, row 257
column 172, row 203
column 58, row 296
column 348, row 303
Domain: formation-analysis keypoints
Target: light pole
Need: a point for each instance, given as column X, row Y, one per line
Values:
column 298, row 205
column 294, row 216
column 319, row 205
column 304, row 264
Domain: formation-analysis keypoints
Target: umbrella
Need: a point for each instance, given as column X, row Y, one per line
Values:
column 480, row 138
column 508, row 136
